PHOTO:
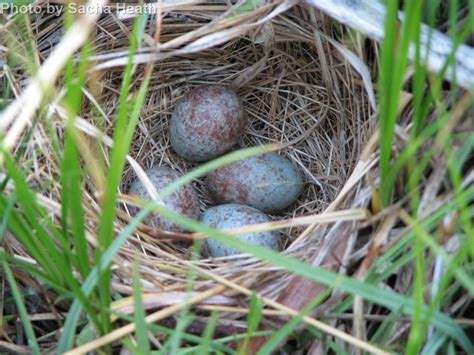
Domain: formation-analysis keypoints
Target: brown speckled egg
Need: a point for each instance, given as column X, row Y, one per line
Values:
column 183, row 201
column 206, row 123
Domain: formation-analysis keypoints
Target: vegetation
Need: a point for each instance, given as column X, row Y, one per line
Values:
column 384, row 231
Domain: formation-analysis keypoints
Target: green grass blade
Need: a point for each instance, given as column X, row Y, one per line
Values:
column 216, row 345
column 124, row 130
column 386, row 97
column 34, row 271
column 42, row 246
column 384, row 330
column 25, row 320
column 394, row 58
column 141, row 331
column 462, row 277
column 71, row 196
column 67, row 337
column 6, row 216
column 433, row 344
column 272, row 344
column 253, row 320
column 205, row 346
column 185, row 317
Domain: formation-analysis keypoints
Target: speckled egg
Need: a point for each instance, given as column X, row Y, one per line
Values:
column 183, row 201
column 268, row 182
column 206, row 123
column 230, row 216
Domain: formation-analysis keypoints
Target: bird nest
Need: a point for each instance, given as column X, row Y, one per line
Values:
column 303, row 86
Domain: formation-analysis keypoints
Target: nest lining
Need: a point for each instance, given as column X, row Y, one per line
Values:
column 287, row 102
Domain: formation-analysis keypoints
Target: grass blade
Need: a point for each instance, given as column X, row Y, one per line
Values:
column 67, row 338
column 25, row 320
column 253, row 320
column 205, row 346
column 284, row 331
column 124, row 129
column 141, row 331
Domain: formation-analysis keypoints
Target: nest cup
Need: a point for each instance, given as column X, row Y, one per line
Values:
column 297, row 89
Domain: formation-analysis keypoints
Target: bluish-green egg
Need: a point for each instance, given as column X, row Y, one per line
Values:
column 268, row 182
column 230, row 216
